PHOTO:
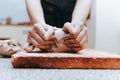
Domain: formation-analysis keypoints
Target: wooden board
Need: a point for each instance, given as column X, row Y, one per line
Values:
column 85, row 59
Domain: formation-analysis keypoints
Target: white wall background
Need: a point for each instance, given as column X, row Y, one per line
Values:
column 108, row 25
column 91, row 24
column 15, row 9
column 15, row 32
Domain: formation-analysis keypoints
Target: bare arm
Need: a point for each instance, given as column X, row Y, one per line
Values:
column 35, row 11
column 79, row 38
column 38, row 36
column 81, row 11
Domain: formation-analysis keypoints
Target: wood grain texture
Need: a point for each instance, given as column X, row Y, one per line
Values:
column 85, row 59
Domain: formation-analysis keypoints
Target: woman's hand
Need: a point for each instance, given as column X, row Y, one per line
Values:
column 77, row 37
column 40, row 36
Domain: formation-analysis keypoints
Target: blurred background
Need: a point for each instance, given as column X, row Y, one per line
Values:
column 103, row 26
column 14, row 21
column 13, row 12
column 107, row 28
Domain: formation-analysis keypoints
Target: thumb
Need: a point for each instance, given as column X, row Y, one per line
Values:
column 49, row 32
column 28, row 47
column 68, row 28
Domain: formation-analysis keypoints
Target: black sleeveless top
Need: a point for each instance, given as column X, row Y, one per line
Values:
column 57, row 12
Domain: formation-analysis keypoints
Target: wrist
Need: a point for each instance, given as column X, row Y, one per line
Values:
column 77, row 23
column 40, row 23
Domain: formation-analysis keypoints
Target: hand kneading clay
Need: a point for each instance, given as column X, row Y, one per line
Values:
column 9, row 47
column 58, row 33
column 58, row 46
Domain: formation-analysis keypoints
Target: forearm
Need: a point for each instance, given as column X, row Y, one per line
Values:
column 35, row 11
column 81, row 11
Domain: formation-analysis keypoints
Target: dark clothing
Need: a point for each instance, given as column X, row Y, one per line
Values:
column 57, row 12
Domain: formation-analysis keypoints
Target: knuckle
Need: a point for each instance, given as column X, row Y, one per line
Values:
column 74, row 49
column 36, row 25
column 83, row 46
column 81, row 26
column 35, row 28
column 46, row 42
column 28, row 40
column 73, row 41
column 86, row 29
column 76, row 41
column 66, row 41
column 67, row 46
column 50, row 42
column 30, row 32
column 41, row 47
column 44, row 47
column 67, row 23
column 80, row 44
column 49, row 47
column 81, row 23
column 37, row 45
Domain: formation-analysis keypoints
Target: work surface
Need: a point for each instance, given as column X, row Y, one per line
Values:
column 9, row 73
column 85, row 59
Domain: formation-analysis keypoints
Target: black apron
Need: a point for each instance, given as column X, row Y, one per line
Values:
column 57, row 12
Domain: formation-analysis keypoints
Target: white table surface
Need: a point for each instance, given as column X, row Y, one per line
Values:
column 7, row 72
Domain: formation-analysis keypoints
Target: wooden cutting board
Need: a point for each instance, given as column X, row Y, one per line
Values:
column 85, row 59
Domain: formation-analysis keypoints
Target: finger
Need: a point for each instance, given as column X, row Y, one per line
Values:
column 40, row 30
column 82, row 34
column 42, row 46
column 76, row 49
column 48, row 43
column 68, row 36
column 28, row 47
column 35, row 36
column 68, row 28
column 71, row 41
column 59, row 34
column 84, row 41
column 84, row 46
column 33, row 42
column 73, row 45
column 49, row 32
column 79, row 28
column 41, row 41
column 51, row 38
column 47, row 47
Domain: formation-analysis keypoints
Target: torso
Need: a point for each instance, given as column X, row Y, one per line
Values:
column 57, row 12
